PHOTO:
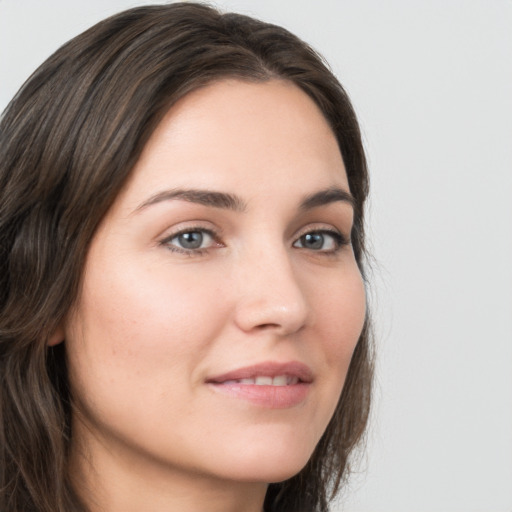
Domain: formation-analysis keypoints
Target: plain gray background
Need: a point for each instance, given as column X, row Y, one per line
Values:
column 431, row 81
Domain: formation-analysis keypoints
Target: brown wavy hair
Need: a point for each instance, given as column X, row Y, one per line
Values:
column 68, row 142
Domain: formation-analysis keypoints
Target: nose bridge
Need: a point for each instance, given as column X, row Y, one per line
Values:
column 270, row 293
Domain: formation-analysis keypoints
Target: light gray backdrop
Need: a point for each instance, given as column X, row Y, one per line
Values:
column 432, row 83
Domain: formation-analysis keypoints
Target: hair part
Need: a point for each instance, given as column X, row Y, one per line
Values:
column 69, row 140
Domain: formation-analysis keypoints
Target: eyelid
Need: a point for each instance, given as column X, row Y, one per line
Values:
column 322, row 228
column 339, row 237
column 215, row 235
column 191, row 225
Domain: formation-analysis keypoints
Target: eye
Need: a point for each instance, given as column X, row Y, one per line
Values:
column 191, row 241
column 321, row 241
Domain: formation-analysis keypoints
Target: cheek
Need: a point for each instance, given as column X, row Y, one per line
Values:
column 140, row 327
column 342, row 314
column 135, row 345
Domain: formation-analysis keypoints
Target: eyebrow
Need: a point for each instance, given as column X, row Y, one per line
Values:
column 327, row 196
column 233, row 202
column 205, row 197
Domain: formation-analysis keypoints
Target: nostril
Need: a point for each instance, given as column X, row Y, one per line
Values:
column 263, row 327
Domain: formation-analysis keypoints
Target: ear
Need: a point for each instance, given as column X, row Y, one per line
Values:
column 56, row 337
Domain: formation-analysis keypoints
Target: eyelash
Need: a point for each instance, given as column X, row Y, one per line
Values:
column 339, row 239
column 191, row 252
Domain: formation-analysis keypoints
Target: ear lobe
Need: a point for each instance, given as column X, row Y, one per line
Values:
column 57, row 337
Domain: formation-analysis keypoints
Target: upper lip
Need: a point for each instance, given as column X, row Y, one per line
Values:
column 267, row 369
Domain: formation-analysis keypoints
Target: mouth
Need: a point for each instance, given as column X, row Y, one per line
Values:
column 269, row 385
column 264, row 380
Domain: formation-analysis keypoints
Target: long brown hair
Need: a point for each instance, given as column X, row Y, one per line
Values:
column 68, row 142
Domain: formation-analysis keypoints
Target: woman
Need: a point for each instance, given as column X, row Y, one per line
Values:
column 182, row 312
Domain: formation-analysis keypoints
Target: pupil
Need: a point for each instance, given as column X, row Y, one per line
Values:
column 192, row 240
column 313, row 241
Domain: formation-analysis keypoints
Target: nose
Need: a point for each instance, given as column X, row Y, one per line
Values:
column 270, row 295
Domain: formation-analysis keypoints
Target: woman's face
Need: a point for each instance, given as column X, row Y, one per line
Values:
column 221, row 300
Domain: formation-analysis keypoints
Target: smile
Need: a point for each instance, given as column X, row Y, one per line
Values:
column 267, row 385
column 280, row 380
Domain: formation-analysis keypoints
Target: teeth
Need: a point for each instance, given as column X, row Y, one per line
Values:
column 263, row 381
column 279, row 380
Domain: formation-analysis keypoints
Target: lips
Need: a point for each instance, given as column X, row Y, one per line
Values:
column 270, row 385
column 263, row 380
column 293, row 369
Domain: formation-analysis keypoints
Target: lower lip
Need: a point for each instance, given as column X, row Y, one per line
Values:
column 270, row 397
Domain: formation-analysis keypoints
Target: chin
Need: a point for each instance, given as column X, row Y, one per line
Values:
column 268, row 464
column 268, row 475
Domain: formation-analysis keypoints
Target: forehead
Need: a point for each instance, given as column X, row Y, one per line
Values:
column 243, row 136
